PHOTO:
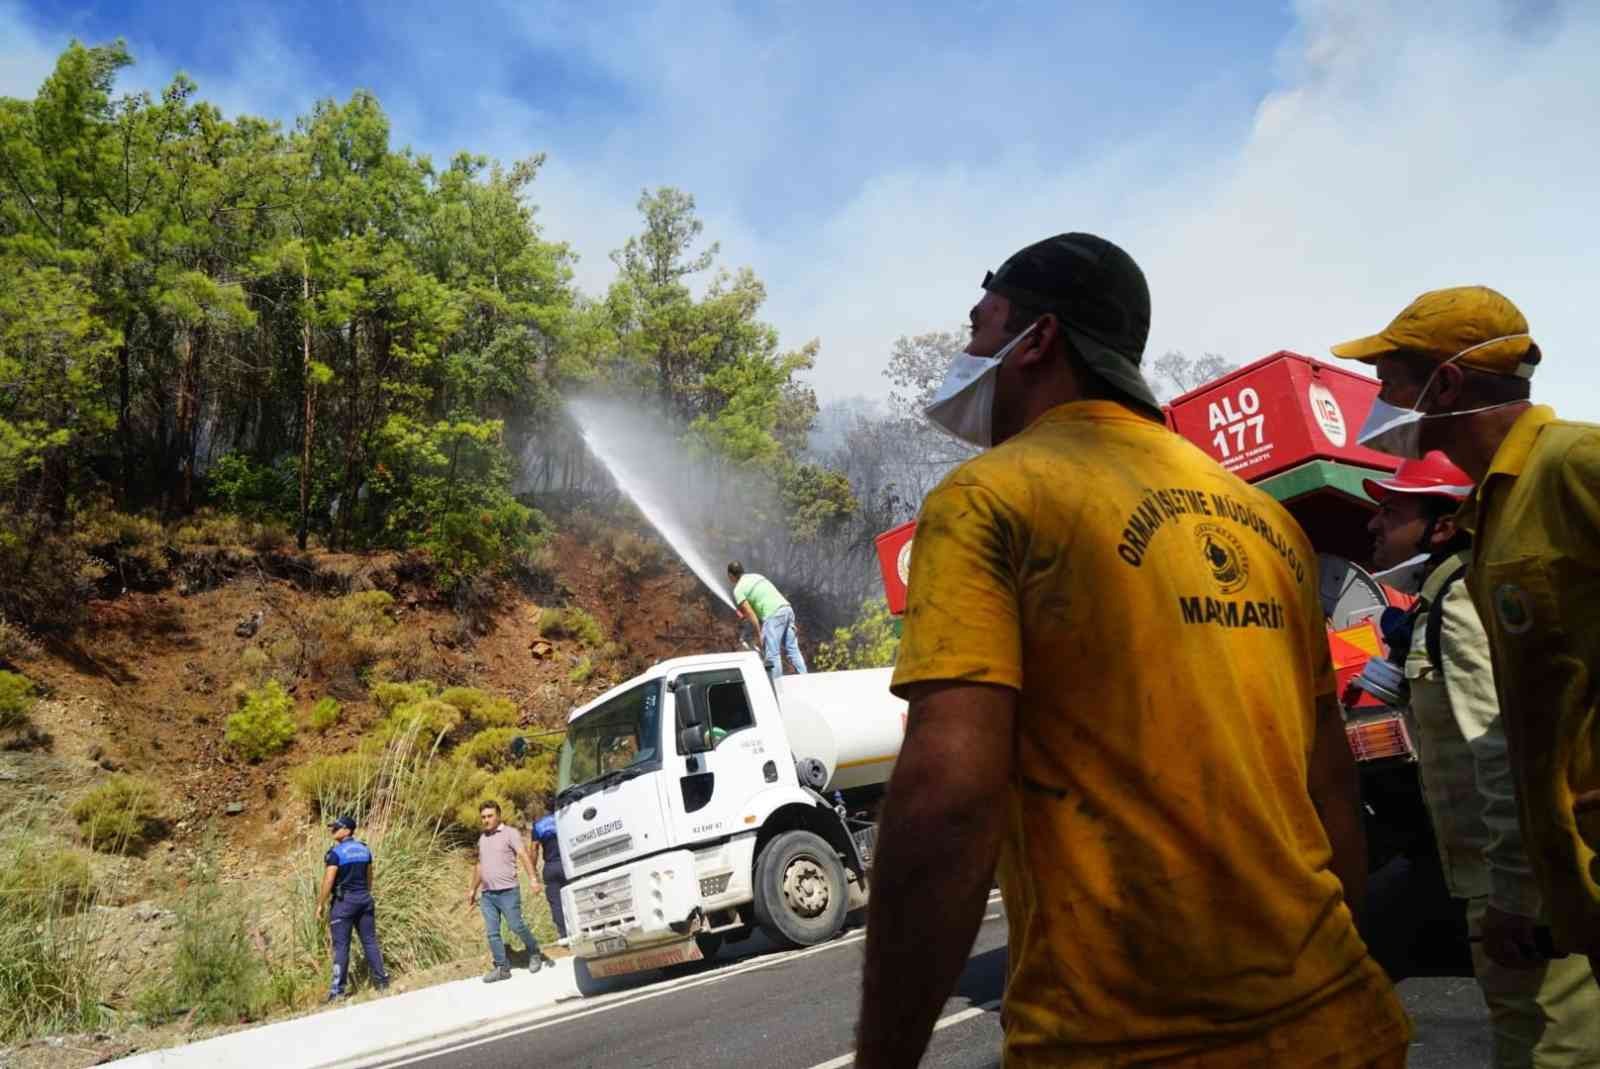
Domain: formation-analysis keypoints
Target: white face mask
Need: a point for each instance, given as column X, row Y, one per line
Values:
column 963, row 405
column 1406, row 576
column 1398, row 431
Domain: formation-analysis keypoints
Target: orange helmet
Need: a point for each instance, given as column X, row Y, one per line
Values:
column 1432, row 475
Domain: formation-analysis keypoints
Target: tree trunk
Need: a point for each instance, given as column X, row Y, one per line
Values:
column 309, row 420
column 124, row 402
column 185, row 418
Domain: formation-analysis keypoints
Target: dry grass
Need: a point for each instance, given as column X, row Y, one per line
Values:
column 122, row 815
column 48, row 933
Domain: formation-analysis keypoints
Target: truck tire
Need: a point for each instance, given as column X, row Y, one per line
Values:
column 800, row 896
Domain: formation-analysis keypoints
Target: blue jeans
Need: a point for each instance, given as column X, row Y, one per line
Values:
column 508, row 904
column 778, row 640
column 359, row 916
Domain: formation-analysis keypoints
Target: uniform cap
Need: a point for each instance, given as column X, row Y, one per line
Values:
column 1432, row 476
column 1477, row 323
column 343, row 822
column 1097, row 292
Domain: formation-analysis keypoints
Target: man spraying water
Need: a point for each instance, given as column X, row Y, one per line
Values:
column 759, row 602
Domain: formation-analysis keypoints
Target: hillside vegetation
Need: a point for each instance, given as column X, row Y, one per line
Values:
column 294, row 522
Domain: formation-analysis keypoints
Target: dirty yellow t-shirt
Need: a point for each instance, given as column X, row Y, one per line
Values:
column 1165, row 873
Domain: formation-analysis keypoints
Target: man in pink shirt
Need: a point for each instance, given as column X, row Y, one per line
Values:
column 500, row 847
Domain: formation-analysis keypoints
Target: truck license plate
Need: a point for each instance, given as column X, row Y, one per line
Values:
column 614, row 945
column 659, row 958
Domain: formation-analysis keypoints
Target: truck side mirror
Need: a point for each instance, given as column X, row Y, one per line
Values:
column 692, row 739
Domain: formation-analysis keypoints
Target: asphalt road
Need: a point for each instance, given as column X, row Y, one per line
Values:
column 797, row 1010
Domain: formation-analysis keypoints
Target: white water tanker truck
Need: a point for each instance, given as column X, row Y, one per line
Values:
column 698, row 803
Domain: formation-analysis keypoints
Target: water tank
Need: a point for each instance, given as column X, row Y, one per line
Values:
column 847, row 720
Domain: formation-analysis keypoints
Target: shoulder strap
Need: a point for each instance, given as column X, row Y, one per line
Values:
column 1451, row 571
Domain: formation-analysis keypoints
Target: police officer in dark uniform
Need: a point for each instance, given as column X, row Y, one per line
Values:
column 348, row 881
column 554, row 875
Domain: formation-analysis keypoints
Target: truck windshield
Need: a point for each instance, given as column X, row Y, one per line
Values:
column 624, row 733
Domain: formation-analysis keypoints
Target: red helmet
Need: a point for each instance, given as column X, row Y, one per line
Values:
column 1433, row 475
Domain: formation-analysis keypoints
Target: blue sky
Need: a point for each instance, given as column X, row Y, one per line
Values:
column 1288, row 174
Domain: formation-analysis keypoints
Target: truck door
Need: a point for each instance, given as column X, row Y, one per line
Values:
column 737, row 758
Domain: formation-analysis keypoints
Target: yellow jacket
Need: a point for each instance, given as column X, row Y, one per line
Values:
column 1535, row 579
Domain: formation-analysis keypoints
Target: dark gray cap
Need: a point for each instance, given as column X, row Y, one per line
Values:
column 1099, row 295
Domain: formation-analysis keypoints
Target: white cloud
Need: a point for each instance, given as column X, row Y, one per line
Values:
column 28, row 55
column 1401, row 154
column 1409, row 153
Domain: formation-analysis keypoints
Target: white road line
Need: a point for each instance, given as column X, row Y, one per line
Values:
column 495, row 1033
column 967, row 1014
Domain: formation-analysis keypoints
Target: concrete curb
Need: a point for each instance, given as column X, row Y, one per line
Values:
column 373, row 1032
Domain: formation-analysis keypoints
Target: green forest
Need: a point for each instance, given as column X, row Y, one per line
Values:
column 310, row 335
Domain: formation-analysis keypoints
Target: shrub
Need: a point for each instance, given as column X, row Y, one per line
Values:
column 353, row 632
column 216, row 975
column 48, row 878
column 584, row 525
column 16, row 699
column 429, row 718
column 522, row 790
column 339, row 784
column 489, row 749
column 49, row 975
column 264, row 723
column 411, row 657
column 482, row 710
column 253, row 490
column 869, row 642
column 15, row 641
column 456, row 793
column 122, row 814
column 324, row 714
column 581, row 672
column 46, row 576
column 467, row 544
column 636, row 555
column 255, row 663
column 571, row 622
column 133, row 548
column 208, row 528
column 391, row 695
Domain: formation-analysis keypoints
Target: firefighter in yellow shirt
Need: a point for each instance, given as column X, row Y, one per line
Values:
column 1456, row 366
column 1121, row 697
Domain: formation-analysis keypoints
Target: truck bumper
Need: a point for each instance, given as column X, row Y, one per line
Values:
column 634, row 910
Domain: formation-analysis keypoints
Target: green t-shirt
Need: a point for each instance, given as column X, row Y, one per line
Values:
column 760, row 593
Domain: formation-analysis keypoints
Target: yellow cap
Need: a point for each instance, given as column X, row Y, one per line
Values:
column 1474, row 322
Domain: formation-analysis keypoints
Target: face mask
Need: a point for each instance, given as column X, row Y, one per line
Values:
column 1406, row 576
column 1398, row 431
column 963, row 405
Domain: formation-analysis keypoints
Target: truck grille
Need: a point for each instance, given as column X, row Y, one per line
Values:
column 619, row 844
column 604, row 905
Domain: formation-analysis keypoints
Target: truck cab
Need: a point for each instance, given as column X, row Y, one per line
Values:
column 674, row 789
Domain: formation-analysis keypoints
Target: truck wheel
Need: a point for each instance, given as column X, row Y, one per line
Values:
column 800, row 896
